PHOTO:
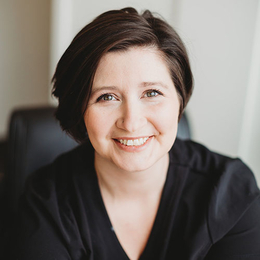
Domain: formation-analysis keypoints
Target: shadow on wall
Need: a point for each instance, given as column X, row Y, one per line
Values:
column 24, row 50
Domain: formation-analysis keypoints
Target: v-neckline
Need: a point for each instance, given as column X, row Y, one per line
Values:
column 169, row 185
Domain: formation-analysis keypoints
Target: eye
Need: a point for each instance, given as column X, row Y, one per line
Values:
column 152, row 93
column 106, row 97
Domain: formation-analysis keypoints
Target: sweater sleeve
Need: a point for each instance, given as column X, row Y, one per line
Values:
column 243, row 240
column 45, row 228
column 234, row 215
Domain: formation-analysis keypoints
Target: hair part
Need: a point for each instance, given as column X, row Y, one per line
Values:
column 112, row 31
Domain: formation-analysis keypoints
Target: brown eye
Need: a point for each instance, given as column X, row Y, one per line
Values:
column 106, row 97
column 152, row 93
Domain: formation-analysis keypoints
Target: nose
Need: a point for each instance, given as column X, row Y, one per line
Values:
column 132, row 117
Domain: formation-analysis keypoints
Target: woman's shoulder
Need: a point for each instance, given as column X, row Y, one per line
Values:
column 49, row 213
column 225, row 175
column 62, row 172
column 229, row 185
column 217, row 168
column 201, row 159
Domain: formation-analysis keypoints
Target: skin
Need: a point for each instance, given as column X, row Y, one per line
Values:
column 133, row 97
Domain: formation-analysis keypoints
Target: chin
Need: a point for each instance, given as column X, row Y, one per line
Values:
column 133, row 166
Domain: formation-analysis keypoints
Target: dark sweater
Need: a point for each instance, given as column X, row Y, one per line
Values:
column 209, row 209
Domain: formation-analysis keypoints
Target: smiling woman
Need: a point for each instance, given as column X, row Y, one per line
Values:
column 132, row 190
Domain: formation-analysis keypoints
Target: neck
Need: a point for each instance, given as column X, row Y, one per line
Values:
column 117, row 183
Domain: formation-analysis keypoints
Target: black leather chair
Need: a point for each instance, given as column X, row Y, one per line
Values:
column 184, row 128
column 36, row 139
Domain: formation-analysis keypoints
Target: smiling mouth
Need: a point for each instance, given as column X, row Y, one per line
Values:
column 133, row 142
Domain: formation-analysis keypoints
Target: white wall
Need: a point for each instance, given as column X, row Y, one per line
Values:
column 24, row 50
column 85, row 13
column 219, row 36
column 249, row 146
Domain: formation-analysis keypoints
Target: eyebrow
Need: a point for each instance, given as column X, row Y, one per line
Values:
column 104, row 88
column 150, row 84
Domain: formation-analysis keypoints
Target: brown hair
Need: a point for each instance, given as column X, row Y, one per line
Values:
column 113, row 31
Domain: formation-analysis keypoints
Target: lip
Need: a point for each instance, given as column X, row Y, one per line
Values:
column 132, row 138
column 132, row 148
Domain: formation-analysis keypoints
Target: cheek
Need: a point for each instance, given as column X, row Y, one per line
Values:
column 92, row 123
column 98, row 123
column 166, row 117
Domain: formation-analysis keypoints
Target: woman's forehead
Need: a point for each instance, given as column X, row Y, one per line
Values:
column 145, row 64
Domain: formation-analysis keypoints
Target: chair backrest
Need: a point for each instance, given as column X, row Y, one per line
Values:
column 184, row 129
column 36, row 139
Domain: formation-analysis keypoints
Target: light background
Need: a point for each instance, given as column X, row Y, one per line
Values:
column 222, row 38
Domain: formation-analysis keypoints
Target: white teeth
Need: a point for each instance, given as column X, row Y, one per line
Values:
column 130, row 142
column 133, row 142
column 136, row 142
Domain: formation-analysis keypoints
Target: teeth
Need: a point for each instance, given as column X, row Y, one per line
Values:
column 134, row 142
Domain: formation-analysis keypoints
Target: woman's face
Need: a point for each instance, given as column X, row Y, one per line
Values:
column 132, row 115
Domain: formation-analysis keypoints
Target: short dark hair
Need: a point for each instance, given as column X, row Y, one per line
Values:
column 113, row 31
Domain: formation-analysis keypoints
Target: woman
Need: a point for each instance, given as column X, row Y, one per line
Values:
column 135, row 192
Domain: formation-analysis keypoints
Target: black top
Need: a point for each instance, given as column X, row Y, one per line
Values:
column 210, row 209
